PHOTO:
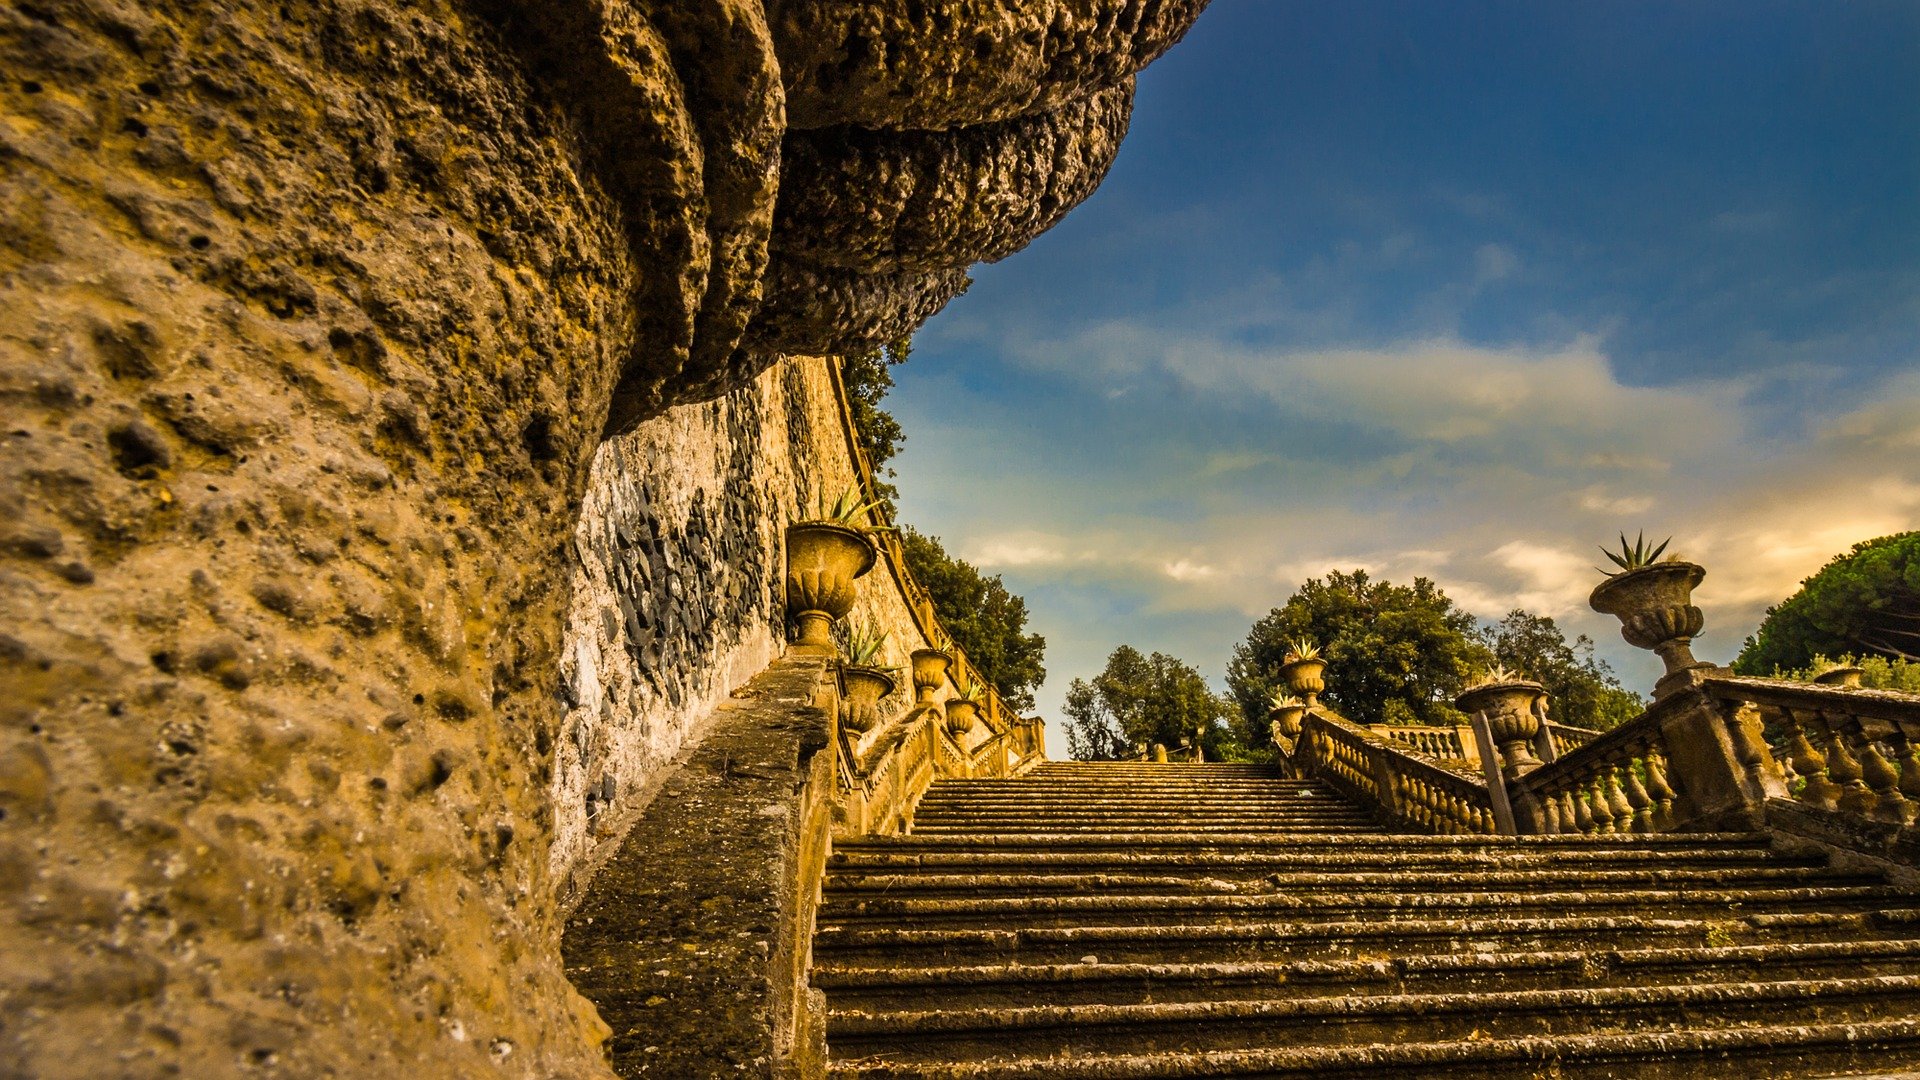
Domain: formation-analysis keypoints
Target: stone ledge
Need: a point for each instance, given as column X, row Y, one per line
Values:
column 693, row 940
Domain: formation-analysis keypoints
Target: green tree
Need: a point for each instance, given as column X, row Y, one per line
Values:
column 1866, row 601
column 985, row 620
column 1396, row 654
column 1140, row 700
column 868, row 376
column 1584, row 689
column 1877, row 672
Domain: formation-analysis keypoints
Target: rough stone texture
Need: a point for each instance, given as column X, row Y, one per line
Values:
column 683, row 106
column 830, row 310
column 930, row 200
column 951, row 63
column 307, row 323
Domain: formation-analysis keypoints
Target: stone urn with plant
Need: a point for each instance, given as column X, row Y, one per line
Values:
column 1508, row 703
column 1284, row 713
column 866, row 682
column 1653, row 599
column 929, row 667
column 826, row 554
column 963, row 711
column 1303, row 671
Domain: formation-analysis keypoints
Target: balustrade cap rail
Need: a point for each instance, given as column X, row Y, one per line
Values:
column 1607, row 746
column 1781, row 693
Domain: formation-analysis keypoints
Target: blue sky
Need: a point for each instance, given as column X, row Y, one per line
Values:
column 1457, row 290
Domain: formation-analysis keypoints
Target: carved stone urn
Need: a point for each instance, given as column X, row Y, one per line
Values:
column 1655, row 607
column 929, row 674
column 962, row 713
column 865, row 687
column 1303, row 677
column 823, row 561
column 1512, row 722
column 1284, row 720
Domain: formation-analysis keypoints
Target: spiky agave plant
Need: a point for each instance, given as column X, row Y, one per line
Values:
column 1495, row 675
column 1634, row 556
column 1283, row 701
column 863, row 644
column 848, row 509
column 1302, row 649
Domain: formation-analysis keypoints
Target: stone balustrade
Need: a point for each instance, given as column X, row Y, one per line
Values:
column 1837, row 748
column 1567, row 738
column 1410, row 790
column 1439, row 742
column 1615, row 782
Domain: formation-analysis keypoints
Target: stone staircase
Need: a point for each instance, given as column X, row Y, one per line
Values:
column 1110, row 921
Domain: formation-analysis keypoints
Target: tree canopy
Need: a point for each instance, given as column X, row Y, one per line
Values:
column 1585, row 692
column 1395, row 653
column 985, row 620
column 1141, row 700
column 1400, row 654
column 1865, row 601
column 1876, row 672
column 867, row 377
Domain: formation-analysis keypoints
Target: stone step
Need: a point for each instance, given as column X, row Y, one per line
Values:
column 1337, row 905
column 889, row 984
column 1187, row 1026
column 1050, row 829
column 906, row 858
column 1120, row 819
column 1212, row 879
column 1176, row 840
column 1780, row 1051
column 862, row 942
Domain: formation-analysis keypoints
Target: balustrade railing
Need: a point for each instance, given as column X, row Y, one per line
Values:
column 1439, row 742
column 1618, row 781
column 1844, row 749
column 1567, row 738
column 1374, row 771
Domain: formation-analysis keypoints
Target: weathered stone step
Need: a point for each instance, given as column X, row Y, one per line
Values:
column 1049, row 1030
column 1108, row 822
column 883, row 984
column 1214, row 879
column 1337, row 905
column 1136, row 801
column 1174, row 941
column 1279, row 858
column 1780, row 1051
column 1305, row 842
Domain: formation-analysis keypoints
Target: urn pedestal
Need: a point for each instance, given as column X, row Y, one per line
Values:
column 1512, row 722
column 865, row 687
column 1655, row 607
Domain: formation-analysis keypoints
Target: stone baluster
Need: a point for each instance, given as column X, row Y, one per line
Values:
column 1637, row 797
column 1844, row 769
column 1882, row 779
column 1594, row 790
column 1809, row 763
column 1749, row 746
column 1659, row 789
column 1582, row 813
column 1618, row 808
column 1903, row 751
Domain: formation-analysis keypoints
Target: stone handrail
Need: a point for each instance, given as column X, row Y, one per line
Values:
column 1838, row 748
column 1401, row 784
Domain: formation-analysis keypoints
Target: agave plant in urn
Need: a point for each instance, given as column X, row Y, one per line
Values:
column 866, row 682
column 1303, row 671
column 1653, row 599
column 1284, row 714
column 929, row 673
column 964, row 711
column 826, row 554
column 1507, row 700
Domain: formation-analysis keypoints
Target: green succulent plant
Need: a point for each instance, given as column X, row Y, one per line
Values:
column 1634, row 556
column 1284, row 701
column 1495, row 675
column 969, row 690
column 1302, row 649
column 863, row 644
column 847, row 509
